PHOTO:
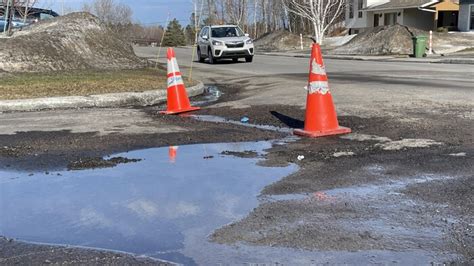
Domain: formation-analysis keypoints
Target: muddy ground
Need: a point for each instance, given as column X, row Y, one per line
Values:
column 19, row 253
column 394, row 185
column 386, row 196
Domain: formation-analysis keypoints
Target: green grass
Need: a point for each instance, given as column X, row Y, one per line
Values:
column 81, row 83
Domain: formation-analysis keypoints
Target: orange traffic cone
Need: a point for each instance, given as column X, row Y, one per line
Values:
column 321, row 118
column 172, row 153
column 178, row 101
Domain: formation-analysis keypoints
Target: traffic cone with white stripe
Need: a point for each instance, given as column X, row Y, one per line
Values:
column 321, row 117
column 172, row 153
column 178, row 101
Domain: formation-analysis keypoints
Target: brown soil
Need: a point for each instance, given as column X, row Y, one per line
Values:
column 280, row 41
column 73, row 41
column 384, row 40
column 397, row 40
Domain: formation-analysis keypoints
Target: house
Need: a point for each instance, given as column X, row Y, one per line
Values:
column 466, row 15
column 422, row 14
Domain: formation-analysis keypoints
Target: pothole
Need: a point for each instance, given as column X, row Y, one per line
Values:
column 164, row 206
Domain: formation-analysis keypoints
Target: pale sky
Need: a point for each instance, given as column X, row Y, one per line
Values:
column 144, row 11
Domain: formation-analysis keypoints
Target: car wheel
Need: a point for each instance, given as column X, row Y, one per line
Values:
column 199, row 55
column 235, row 60
column 249, row 59
column 212, row 60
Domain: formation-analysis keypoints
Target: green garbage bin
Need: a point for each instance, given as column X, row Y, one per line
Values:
column 419, row 46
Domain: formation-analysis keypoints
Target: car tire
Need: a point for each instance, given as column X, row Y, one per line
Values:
column 212, row 60
column 249, row 59
column 199, row 55
column 235, row 60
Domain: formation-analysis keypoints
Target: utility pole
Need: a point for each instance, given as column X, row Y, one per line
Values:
column 11, row 10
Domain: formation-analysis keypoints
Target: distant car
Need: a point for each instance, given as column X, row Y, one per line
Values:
column 34, row 15
column 224, row 41
column 15, row 24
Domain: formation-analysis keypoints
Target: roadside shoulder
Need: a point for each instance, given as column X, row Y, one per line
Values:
column 124, row 99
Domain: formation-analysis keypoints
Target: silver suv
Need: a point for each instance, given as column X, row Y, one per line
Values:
column 224, row 41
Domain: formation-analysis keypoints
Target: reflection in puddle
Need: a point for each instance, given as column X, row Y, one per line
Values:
column 163, row 206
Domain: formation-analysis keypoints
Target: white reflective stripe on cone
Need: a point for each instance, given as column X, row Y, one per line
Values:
column 317, row 68
column 173, row 66
column 175, row 81
column 321, row 87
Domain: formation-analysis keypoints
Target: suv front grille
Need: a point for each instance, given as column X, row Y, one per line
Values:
column 234, row 44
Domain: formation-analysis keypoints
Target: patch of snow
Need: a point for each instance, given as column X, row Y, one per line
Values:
column 461, row 154
column 365, row 137
column 338, row 41
column 343, row 153
column 407, row 143
column 449, row 49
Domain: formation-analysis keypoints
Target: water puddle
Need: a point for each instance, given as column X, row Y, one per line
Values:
column 164, row 205
column 217, row 119
column 211, row 94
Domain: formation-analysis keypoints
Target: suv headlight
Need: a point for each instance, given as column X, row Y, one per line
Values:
column 249, row 41
column 217, row 43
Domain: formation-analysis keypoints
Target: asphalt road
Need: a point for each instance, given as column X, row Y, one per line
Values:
column 271, row 65
column 351, row 80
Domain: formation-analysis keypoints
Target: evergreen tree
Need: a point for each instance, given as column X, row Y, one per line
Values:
column 174, row 35
column 190, row 30
column 190, row 34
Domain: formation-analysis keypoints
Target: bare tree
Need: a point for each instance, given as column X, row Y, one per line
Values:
column 117, row 16
column 237, row 12
column 322, row 13
column 110, row 11
column 254, row 16
column 23, row 8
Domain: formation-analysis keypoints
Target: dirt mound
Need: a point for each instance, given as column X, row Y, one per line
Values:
column 74, row 41
column 280, row 41
column 385, row 40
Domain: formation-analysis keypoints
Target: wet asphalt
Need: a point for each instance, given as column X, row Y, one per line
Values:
column 397, row 190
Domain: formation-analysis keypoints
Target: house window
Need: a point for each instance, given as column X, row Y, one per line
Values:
column 351, row 8
column 472, row 18
column 360, row 7
column 390, row 19
column 376, row 20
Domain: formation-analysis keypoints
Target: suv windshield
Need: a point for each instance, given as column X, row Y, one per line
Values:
column 223, row 32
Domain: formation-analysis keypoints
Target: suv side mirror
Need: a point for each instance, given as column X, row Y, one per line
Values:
column 247, row 35
column 205, row 37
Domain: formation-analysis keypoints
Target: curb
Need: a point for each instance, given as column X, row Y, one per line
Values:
column 388, row 59
column 288, row 55
column 124, row 99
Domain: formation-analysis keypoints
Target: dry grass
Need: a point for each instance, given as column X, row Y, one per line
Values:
column 80, row 83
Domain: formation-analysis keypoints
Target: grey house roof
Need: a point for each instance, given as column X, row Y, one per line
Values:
column 402, row 4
